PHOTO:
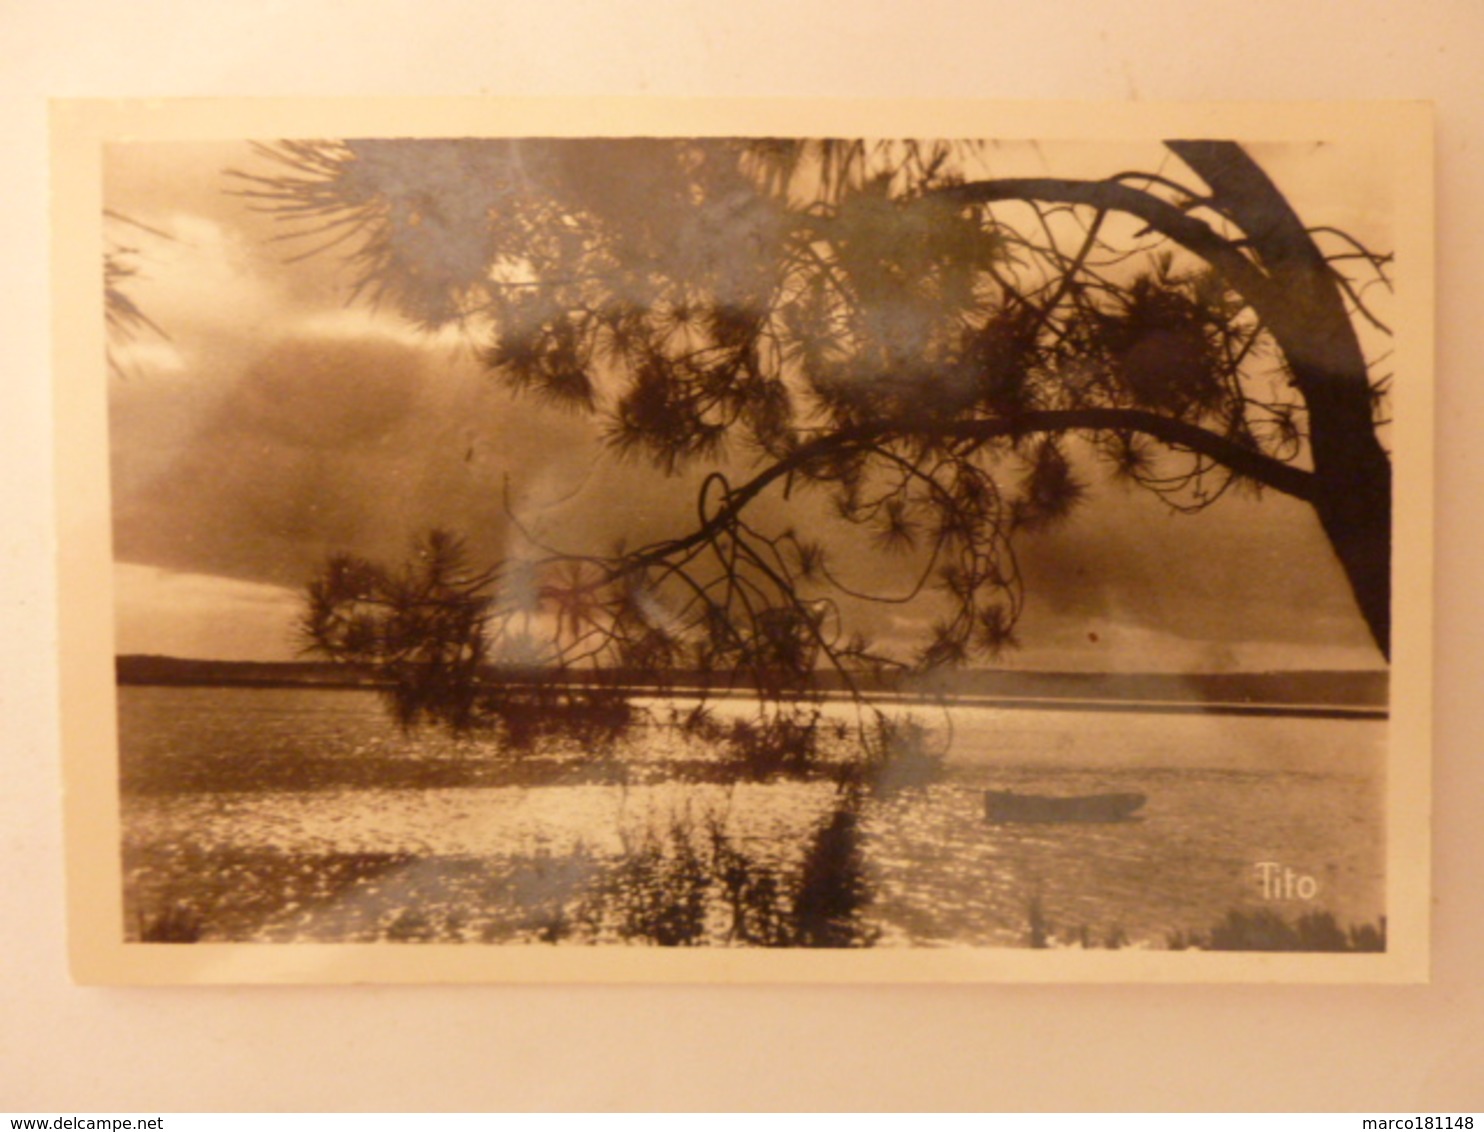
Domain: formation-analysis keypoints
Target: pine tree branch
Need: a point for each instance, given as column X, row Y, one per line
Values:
column 1178, row 434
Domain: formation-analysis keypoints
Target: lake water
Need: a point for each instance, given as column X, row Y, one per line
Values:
column 292, row 815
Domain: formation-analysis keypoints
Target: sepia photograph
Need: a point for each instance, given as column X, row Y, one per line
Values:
column 999, row 545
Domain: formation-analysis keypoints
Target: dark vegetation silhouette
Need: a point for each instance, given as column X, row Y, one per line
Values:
column 694, row 884
column 944, row 354
column 177, row 923
column 1266, row 930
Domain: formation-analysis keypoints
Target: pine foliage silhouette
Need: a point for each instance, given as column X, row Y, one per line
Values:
column 946, row 355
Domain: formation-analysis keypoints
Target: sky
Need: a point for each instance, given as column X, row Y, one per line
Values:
column 276, row 421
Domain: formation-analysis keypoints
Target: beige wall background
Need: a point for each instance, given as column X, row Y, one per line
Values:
column 64, row 1048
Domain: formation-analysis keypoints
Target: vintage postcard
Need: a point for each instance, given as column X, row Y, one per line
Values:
column 652, row 540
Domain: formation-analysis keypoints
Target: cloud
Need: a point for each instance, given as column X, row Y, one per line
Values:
column 165, row 613
column 320, row 445
column 277, row 424
column 1246, row 579
column 315, row 446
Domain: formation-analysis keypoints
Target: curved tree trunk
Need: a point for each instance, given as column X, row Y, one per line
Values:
column 1352, row 472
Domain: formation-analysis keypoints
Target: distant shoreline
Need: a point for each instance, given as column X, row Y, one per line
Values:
column 1320, row 694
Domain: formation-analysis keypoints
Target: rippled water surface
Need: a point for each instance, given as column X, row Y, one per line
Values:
column 305, row 815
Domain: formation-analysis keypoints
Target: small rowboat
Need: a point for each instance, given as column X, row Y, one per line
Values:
column 1008, row 806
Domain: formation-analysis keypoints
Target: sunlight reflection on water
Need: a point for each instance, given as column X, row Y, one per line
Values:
column 1224, row 794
